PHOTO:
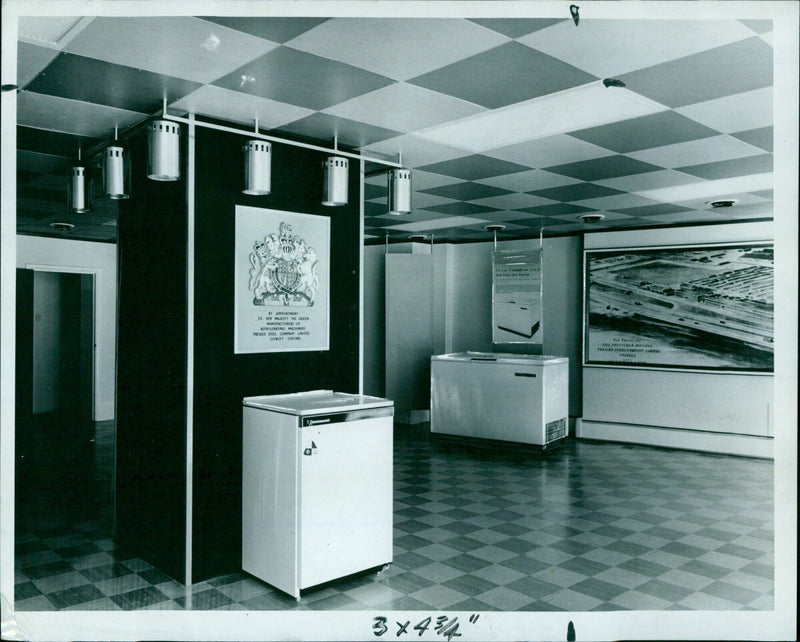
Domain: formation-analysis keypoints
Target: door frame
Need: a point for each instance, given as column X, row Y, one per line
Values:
column 95, row 273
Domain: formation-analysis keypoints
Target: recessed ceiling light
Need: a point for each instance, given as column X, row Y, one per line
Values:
column 494, row 227
column 62, row 227
column 417, row 237
column 723, row 202
column 592, row 218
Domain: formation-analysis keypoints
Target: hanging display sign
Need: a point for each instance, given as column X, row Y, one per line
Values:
column 517, row 297
column 282, row 281
column 702, row 308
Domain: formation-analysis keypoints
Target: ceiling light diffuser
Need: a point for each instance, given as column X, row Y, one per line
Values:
column 116, row 173
column 163, row 159
column 257, row 167
column 400, row 191
column 334, row 181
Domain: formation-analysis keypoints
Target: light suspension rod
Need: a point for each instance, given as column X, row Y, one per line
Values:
column 233, row 130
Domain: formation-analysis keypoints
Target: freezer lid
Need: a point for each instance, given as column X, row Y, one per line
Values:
column 500, row 357
column 316, row 402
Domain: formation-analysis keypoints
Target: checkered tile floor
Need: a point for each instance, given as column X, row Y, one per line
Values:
column 591, row 526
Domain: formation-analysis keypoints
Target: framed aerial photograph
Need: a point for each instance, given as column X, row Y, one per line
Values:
column 698, row 308
column 282, row 281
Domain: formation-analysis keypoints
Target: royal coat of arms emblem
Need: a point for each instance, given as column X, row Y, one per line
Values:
column 283, row 269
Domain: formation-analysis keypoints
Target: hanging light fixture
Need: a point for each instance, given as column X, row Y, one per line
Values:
column 79, row 187
column 163, row 151
column 116, row 171
column 334, row 179
column 400, row 189
column 257, row 167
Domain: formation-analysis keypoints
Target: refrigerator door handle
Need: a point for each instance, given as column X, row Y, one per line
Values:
column 525, row 374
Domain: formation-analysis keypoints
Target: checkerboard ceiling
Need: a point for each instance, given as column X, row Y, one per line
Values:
column 501, row 120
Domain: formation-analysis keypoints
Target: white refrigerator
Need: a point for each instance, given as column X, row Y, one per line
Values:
column 500, row 396
column 316, row 487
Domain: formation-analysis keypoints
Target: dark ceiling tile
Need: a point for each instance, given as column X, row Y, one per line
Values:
column 575, row 192
column 503, row 75
column 652, row 210
column 95, row 81
column 760, row 164
column 302, row 79
column 374, row 209
column 30, row 60
column 466, row 191
column 758, row 26
column 764, row 193
column 322, row 127
column 44, row 141
column 515, row 27
column 654, row 130
column 761, row 137
column 375, row 222
column 555, row 209
column 541, row 221
column 474, row 167
column 275, row 29
column 602, row 168
column 373, row 191
column 699, row 77
column 460, row 209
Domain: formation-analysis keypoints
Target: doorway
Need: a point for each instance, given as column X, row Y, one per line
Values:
column 55, row 428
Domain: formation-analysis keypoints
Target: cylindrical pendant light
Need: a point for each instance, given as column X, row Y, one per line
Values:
column 79, row 187
column 400, row 191
column 334, row 183
column 257, row 167
column 116, row 173
column 164, row 151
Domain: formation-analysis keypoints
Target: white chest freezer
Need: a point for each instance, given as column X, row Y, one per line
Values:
column 507, row 397
column 316, row 487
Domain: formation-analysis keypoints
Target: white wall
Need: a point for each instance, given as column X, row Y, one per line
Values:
column 664, row 407
column 80, row 256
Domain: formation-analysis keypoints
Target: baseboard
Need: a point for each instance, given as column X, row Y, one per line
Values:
column 412, row 417
column 704, row 441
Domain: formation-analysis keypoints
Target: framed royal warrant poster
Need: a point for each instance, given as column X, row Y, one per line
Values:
column 282, row 275
column 696, row 308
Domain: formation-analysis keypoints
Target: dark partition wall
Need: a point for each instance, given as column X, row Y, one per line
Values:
column 150, row 503
column 222, row 378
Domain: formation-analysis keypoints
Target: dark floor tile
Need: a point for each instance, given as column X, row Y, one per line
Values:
column 460, row 528
column 718, row 534
column 411, row 542
column 731, row 592
column 35, row 546
column 644, row 567
column 612, row 531
column 511, row 529
column 470, row 584
column 408, row 582
column 404, row 603
column 759, row 569
column 140, row 598
column 24, row 590
column 45, row 570
column 711, row 571
column 684, row 550
column 560, row 530
column 411, row 526
column 665, row 590
column 584, row 566
column 628, row 548
column 154, row 576
column 409, row 560
column 332, row 602
column 598, row 589
column 78, row 550
column 664, row 533
column 740, row 551
column 105, row 572
column 75, row 596
column 222, row 580
column 466, row 563
column 463, row 543
column 515, row 545
column 524, row 564
column 470, row 604
column 535, row 588
column 571, row 546
column 204, row 600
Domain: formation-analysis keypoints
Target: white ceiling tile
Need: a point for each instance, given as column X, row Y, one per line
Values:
column 216, row 102
column 404, row 108
column 31, row 60
column 711, row 189
column 439, row 223
column 688, row 217
column 742, row 199
column 649, row 180
column 550, row 151
column 565, row 111
column 64, row 115
column 179, row 46
column 415, row 151
column 612, row 47
column 529, row 181
column 420, row 200
column 607, row 216
column 51, row 31
column 401, row 48
column 697, row 152
column 516, row 201
column 427, row 180
column 615, row 202
column 740, row 112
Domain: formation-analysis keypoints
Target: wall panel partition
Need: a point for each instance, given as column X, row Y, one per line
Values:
column 222, row 378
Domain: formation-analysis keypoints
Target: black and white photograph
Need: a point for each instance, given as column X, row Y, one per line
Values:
column 701, row 307
column 398, row 320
